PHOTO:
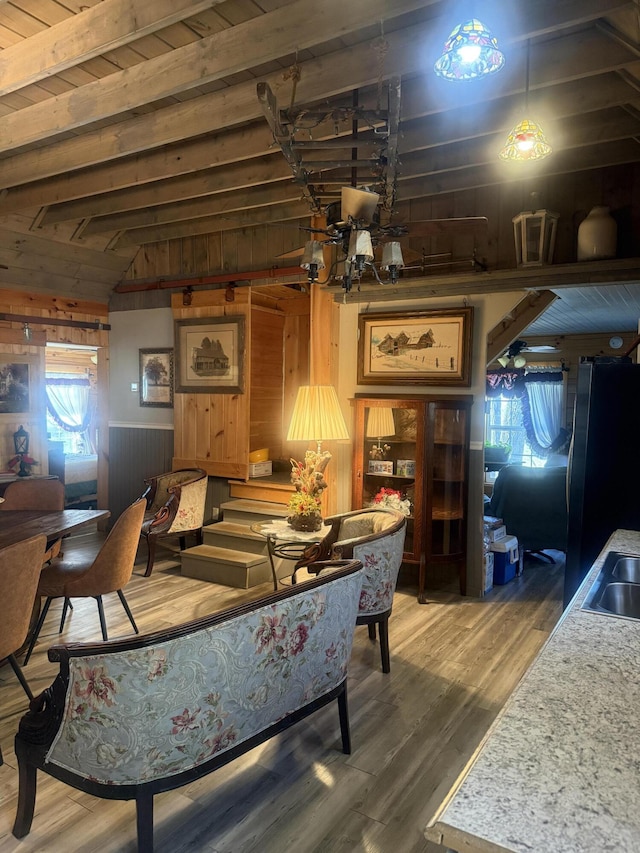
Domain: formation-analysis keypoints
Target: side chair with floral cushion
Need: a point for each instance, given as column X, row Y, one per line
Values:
column 375, row 536
column 175, row 507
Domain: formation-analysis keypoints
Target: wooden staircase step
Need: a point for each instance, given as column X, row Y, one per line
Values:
column 231, row 534
column 248, row 511
column 225, row 566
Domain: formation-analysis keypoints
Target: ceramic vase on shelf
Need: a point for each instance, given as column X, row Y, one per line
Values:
column 597, row 235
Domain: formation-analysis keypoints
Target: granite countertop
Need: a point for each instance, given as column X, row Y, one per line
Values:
column 559, row 770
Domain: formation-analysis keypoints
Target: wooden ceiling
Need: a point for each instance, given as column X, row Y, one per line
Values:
column 135, row 123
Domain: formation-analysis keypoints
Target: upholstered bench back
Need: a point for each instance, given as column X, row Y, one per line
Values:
column 167, row 705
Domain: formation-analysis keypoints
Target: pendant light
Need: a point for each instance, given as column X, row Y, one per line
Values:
column 470, row 52
column 526, row 141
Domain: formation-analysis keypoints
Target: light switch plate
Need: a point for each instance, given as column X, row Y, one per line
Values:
column 134, row 386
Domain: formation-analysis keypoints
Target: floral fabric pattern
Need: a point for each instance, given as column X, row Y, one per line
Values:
column 381, row 560
column 138, row 715
column 190, row 513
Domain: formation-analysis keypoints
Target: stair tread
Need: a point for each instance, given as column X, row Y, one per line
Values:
column 259, row 507
column 229, row 555
column 232, row 528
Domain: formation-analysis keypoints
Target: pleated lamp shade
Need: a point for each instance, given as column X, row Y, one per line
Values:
column 317, row 415
column 380, row 422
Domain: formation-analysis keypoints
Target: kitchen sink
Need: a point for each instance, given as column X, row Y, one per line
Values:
column 616, row 589
column 627, row 569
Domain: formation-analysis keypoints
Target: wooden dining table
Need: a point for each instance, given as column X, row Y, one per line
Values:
column 16, row 525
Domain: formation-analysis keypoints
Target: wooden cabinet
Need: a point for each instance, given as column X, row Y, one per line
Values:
column 419, row 448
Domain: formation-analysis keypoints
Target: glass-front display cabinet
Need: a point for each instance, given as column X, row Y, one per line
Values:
column 413, row 453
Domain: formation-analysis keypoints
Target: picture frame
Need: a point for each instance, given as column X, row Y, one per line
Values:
column 209, row 355
column 418, row 348
column 17, row 384
column 156, row 377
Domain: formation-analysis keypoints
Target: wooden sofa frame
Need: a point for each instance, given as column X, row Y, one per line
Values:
column 332, row 598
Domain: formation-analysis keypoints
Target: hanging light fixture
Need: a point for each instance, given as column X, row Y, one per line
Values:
column 470, row 52
column 313, row 259
column 527, row 140
column 392, row 260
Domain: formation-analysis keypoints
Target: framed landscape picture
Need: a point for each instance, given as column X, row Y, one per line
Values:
column 423, row 347
column 16, row 384
column 210, row 355
column 156, row 378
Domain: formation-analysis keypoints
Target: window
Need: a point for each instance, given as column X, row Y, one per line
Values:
column 524, row 410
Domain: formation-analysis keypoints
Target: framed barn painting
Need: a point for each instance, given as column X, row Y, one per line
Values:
column 420, row 348
column 209, row 355
column 156, row 378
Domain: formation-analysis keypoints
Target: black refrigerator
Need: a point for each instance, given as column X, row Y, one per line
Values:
column 603, row 481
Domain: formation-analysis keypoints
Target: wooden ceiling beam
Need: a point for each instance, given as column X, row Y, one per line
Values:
column 276, row 213
column 271, row 35
column 321, row 77
column 90, row 33
column 530, row 307
column 196, row 156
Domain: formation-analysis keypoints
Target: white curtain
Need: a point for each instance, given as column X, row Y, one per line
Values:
column 69, row 404
column 545, row 408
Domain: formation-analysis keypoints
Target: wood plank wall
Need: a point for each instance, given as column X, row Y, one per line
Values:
column 54, row 308
column 571, row 195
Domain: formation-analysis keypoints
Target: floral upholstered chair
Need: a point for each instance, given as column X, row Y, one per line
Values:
column 376, row 538
column 175, row 507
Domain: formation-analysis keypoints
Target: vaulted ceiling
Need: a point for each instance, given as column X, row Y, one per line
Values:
column 129, row 123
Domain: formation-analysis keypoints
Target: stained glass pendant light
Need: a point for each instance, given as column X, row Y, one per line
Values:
column 526, row 141
column 470, row 52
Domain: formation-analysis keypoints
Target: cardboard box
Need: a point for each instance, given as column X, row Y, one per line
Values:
column 505, row 559
column 491, row 522
column 260, row 469
column 496, row 533
column 406, row 468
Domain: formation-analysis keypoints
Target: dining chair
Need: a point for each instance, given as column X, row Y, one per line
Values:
column 20, row 567
column 109, row 571
column 40, row 494
column 376, row 538
column 175, row 507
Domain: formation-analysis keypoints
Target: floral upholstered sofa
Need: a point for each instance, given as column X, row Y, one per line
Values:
column 129, row 719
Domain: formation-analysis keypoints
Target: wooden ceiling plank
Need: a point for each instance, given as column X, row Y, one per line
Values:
column 210, row 205
column 212, row 224
column 321, row 78
column 239, row 144
column 213, row 58
column 258, row 171
column 103, row 27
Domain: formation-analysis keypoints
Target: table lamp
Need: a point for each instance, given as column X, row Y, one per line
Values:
column 317, row 416
column 380, row 423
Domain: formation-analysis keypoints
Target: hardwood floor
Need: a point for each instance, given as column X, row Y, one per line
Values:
column 453, row 664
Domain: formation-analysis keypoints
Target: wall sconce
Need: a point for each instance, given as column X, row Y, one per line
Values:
column 187, row 296
column 229, row 295
column 26, row 331
column 470, row 52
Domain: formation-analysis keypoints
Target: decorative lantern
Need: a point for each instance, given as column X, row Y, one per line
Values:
column 21, row 447
column 534, row 232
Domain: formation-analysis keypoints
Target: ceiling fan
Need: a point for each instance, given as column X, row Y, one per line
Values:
column 353, row 225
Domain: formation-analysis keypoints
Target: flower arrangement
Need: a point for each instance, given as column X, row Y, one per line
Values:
column 392, row 499
column 308, row 477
